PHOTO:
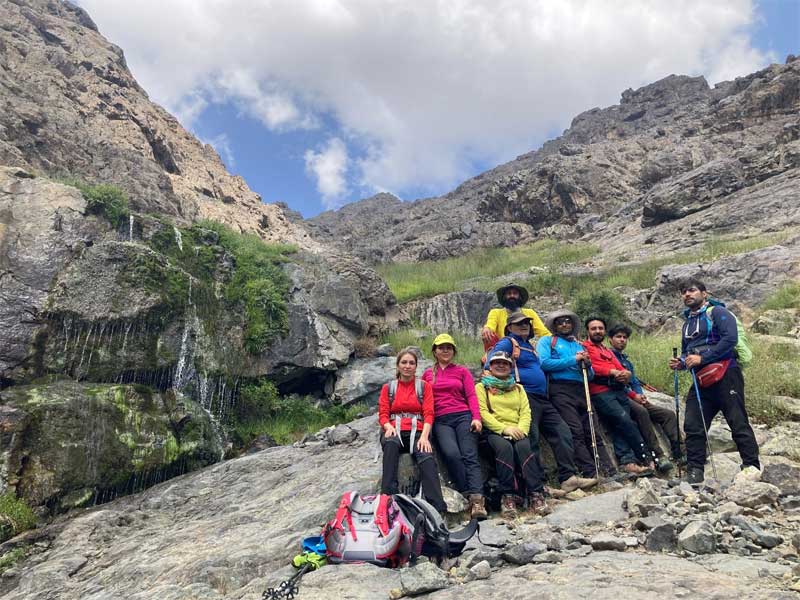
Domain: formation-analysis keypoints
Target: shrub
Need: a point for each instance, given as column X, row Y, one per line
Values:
column 15, row 516
column 787, row 296
column 600, row 303
column 107, row 201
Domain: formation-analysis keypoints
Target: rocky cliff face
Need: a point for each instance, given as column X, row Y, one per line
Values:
column 623, row 176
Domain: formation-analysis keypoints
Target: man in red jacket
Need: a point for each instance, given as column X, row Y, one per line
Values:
column 610, row 400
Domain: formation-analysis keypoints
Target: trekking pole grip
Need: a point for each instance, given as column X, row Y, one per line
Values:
column 674, row 353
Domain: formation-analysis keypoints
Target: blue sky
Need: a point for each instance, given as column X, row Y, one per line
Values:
column 317, row 103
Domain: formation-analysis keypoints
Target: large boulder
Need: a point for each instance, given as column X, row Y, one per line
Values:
column 67, row 444
column 457, row 312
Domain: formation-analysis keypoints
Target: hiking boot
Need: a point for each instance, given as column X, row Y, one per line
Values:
column 477, row 507
column 634, row 469
column 695, row 476
column 508, row 507
column 575, row 482
column 554, row 492
column 537, row 504
column 663, row 465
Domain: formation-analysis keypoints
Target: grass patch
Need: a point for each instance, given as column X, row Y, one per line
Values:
column 429, row 278
column 787, row 296
column 105, row 200
column 470, row 349
column 10, row 558
column 286, row 419
column 773, row 372
column 15, row 516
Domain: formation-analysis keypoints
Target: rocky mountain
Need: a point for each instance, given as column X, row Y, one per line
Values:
column 625, row 176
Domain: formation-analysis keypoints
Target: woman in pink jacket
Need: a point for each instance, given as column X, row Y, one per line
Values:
column 457, row 422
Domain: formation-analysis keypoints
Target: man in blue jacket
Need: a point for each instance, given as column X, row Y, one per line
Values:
column 544, row 416
column 561, row 355
column 709, row 335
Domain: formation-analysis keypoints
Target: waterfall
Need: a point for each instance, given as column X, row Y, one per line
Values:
column 178, row 239
column 130, row 227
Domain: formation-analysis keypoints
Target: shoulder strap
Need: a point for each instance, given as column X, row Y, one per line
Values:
column 392, row 392
column 419, row 387
column 553, row 340
column 488, row 402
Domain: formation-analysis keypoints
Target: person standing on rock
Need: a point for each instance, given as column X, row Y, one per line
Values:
column 561, row 355
column 710, row 336
column 512, row 298
column 457, row 423
column 609, row 390
column 405, row 414
column 545, row 417
column 506, row 417
column 644, row 412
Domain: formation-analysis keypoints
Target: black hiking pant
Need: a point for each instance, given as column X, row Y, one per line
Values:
column 647, row 417
column 428, row 473
column 570, row 400
column 727, row 395
column 546, row 420
column 614, row 410
column 507, row 454
column 458, row 445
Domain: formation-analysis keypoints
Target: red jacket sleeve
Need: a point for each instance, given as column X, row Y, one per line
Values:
column 383, row 405
column 427, row 403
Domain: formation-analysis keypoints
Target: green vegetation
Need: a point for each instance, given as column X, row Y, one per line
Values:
column 600, row 303
column 470, row 349
column 261, row 410
column 257, row 286
column 10, row 558
column 105, row 200
column 428, row 278
column 787, row 296
column 772, row 373
column 15, row 516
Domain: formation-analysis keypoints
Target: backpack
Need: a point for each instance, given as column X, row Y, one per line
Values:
column 418, row 387
column 742, row 350
column 389, row 531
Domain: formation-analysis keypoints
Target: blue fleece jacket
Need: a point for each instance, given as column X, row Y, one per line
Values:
column 634, row 384
column 530, row 371
column 713, row 336
column 558, row 362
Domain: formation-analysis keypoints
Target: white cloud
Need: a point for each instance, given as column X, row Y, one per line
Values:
column 329, row 167
column 427, row 87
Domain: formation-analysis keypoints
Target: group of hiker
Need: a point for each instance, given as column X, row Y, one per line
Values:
column 561, row 388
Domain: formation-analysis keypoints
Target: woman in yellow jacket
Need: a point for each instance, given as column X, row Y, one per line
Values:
column 506, row 417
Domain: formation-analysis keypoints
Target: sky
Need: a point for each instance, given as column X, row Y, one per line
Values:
column 317, row 103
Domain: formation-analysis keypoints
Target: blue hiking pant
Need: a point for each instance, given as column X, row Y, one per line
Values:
column 614, row 410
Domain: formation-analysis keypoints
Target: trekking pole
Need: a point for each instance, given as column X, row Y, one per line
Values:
column 703, row 419
column 677, row 413
column 591, row 419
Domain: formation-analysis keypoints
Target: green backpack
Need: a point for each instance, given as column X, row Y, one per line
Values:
column 743, row 352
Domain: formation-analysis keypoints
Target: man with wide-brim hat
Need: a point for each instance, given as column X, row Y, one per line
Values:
column 561, row 355
column 512, row 297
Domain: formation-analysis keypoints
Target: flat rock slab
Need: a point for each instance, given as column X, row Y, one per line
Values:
column 615, row 575
column 740, row 566
column 594, row 509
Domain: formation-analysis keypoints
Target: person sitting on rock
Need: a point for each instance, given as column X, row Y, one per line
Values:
column 406, row 421
column 642, row 411
column 544, row 416
column 610, row 399
column 506, row 418
column 561, row 355
column 457, row 423
column 512, row 297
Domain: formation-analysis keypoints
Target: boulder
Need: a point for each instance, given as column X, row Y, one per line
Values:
column 785, row 321
column 607, row 541
column 589, row 511
column 456, row 312
column 69, row 444
column 362, row 379
column 783, row 475
column 522, row 554
column 661, row 538
column 698, row 537
column 422, row 578
column 752, row 494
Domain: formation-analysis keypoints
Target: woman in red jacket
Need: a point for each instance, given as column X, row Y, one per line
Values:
column 405, row 413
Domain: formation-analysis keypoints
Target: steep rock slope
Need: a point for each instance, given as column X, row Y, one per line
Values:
column 670, row 149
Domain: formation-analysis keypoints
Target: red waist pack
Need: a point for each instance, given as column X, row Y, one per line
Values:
column 712, row 373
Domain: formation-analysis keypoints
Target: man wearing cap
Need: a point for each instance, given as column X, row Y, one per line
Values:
column 506, row 417
column 561, row 355
column 528, row 372
column 512, row 297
